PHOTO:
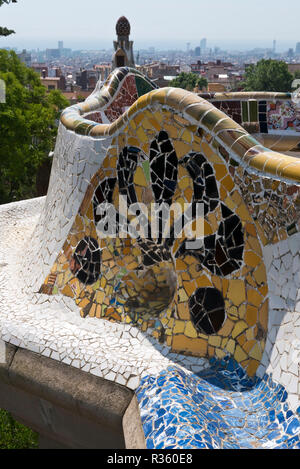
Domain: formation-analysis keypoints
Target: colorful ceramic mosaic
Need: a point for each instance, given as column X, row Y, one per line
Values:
column 274, row 118
column 208, row 301
column 220, row 408
column 208, row 336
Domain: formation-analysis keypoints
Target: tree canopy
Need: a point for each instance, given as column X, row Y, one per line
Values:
column 189, row 81
column 28, row 127
column 5, row 31
column 268, row 75
column 297, row 74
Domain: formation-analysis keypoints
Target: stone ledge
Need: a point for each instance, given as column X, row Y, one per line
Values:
column 67, row 405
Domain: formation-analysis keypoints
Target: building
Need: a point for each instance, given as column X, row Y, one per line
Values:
column 51, row 83
column 52, row 54
column 58, row 82
column 87, row 79
column 76, row 96
column 203, row 44
column 104, row 71
column 123, row 56
column 298, row 48
column 225, row 74
column 212, row 70
column 40, row 68
column 197, row 67
column 25, row 57
column 160, row 73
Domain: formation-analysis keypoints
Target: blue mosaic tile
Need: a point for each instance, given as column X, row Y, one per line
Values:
column 220, row 407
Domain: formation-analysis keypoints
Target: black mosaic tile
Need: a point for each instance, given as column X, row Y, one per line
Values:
column 86, row 261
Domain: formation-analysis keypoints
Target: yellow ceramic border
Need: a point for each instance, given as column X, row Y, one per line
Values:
column 246, row 95
column 242, row 147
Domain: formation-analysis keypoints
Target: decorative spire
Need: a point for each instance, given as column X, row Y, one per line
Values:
column 123, row 27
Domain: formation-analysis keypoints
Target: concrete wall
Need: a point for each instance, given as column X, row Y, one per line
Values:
column 67, row 407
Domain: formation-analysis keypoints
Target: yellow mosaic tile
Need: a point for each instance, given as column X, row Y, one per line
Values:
column 148, row 292
column 236, row 292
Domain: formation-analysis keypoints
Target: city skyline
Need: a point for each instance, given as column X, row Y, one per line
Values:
column 234, row 27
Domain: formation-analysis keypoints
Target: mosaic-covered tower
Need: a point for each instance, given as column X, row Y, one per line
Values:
column 123, row 56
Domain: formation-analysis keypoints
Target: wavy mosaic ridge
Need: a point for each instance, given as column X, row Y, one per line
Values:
column 103, row 95
column 244, row 148
column 246, row 95
column 273, row 118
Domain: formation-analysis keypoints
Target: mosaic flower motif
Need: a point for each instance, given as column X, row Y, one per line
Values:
column 222, row 252
column 202, row 300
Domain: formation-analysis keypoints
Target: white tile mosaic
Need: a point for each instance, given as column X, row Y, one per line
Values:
column 53, row 327
column 282, row 353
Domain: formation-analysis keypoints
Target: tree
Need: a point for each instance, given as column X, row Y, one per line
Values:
column 28, row 127
column 5, row 31
column 80, row 98
column 189, row 81
column 297, row 74
column 267, row 75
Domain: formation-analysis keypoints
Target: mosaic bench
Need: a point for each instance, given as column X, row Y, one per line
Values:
column 207, row 336
column 273, row 118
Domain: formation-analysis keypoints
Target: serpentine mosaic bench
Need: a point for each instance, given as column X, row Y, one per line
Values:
column 208, row 335
column 273, row 118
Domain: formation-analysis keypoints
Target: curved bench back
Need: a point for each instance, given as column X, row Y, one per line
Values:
column 204, row 292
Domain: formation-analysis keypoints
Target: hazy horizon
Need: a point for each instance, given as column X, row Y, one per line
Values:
column 96, row 44
column 166, row 25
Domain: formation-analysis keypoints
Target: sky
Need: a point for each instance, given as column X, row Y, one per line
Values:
column 90, row 24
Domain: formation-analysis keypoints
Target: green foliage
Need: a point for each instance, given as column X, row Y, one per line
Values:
column 268, row 75
column 7, row 2
column 297, row 74
column 27, row 127
column 5, row 31
column 80, row 98
column 188, row 81
column 13, row 435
